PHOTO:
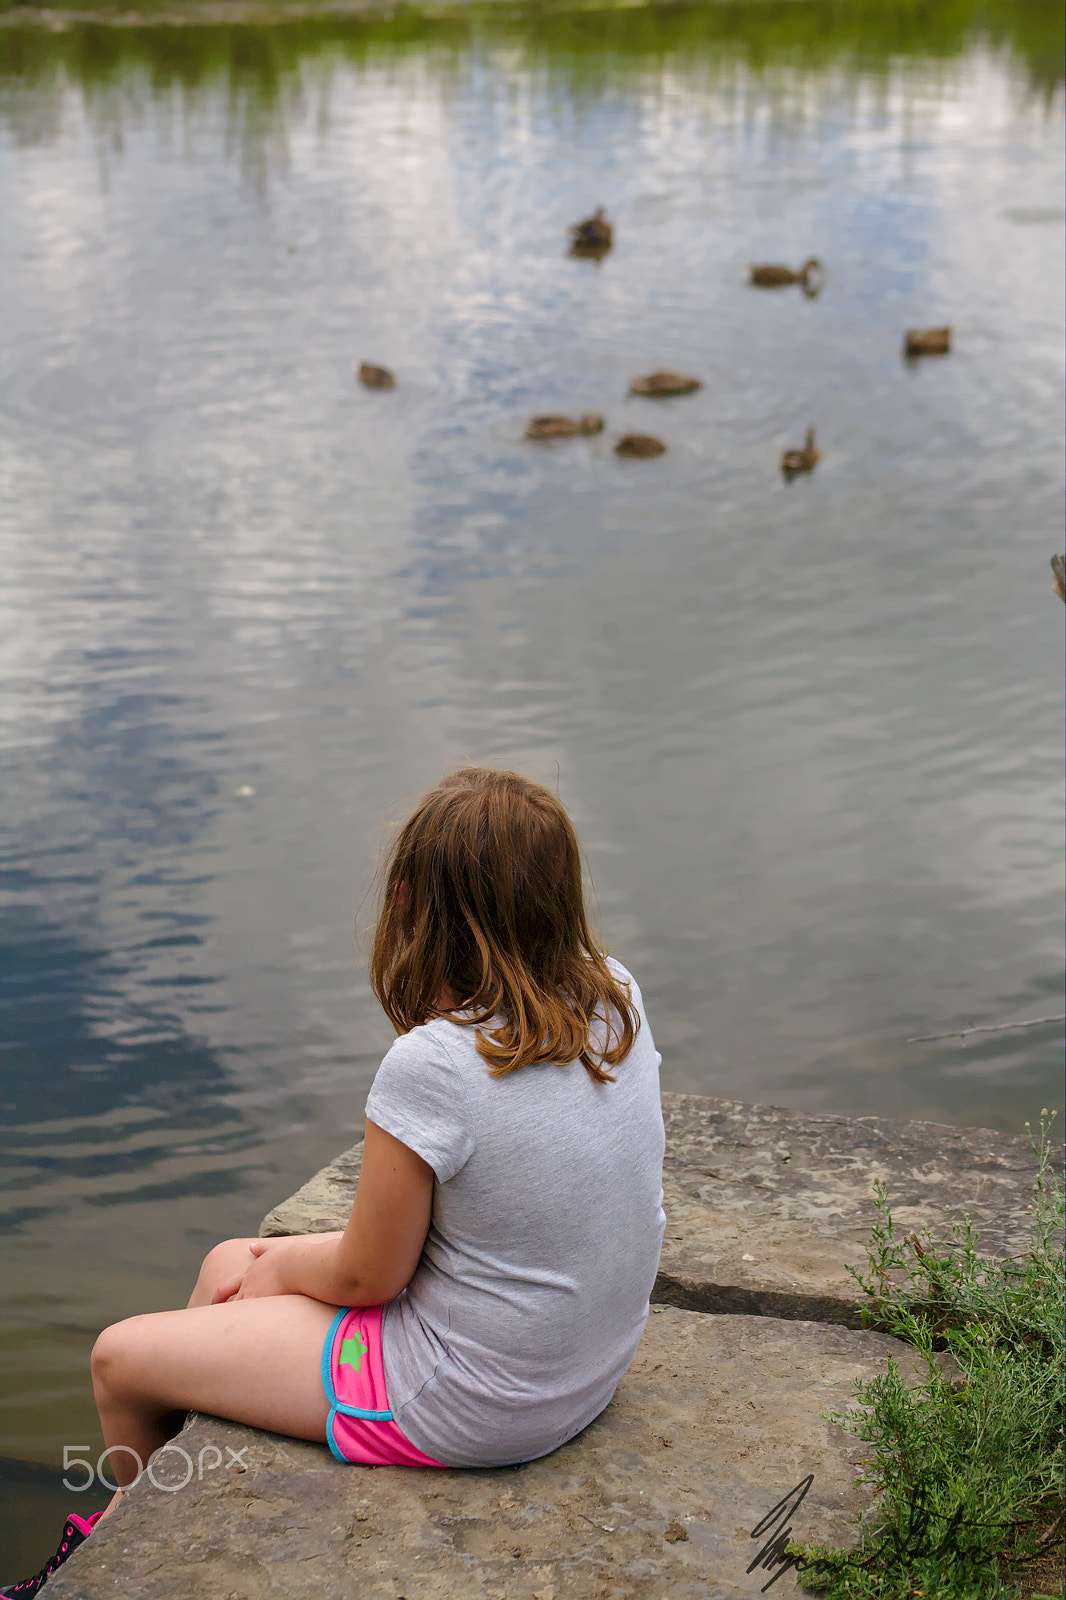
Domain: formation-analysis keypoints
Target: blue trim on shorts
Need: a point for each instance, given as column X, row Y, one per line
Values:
column 336, row 1405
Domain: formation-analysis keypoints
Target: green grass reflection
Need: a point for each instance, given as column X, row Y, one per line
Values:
column 587, row 40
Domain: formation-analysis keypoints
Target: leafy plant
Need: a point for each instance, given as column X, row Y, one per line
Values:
column 968, row 1463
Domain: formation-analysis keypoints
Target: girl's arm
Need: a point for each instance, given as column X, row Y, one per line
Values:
column 376, row 1255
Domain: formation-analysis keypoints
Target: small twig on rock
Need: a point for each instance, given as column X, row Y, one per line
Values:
column 602, row 1526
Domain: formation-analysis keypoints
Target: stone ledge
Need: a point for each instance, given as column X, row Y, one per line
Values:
column 766, row 1208
column 717, row 1419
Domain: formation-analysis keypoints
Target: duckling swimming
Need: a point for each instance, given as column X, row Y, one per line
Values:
column 376, row 377
column 793, row 462
column 810, row 276
column 926, row 342
column 592, row 237
column 660, row 384
column 639, row 445
column 1058, row 567
column 564, row 427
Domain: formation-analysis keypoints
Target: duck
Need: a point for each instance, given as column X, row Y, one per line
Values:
column 926, row 342
column 794, row 462
column 1058, row 567
column 768, row 275
column 376, row 377
column 593, row 236
column 660, row 384
column 639, row 445
column 564, row 427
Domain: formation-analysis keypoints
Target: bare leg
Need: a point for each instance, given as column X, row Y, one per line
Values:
column 220, row 1263
column 253, row 1361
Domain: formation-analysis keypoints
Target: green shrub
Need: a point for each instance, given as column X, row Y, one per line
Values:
column 968, row 1463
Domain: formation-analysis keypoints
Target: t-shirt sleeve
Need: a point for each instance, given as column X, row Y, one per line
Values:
column 418, row 1097
column 629, row 982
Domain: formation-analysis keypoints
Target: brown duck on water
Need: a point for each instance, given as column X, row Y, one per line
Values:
column 639, row 445
column 591, row 237
column 564, row 427
column 926, row 342
column 376, row 377
column 661, row 384
column 793, row 462
column 810, row 277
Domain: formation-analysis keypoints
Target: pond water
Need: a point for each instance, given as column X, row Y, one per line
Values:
column 810, row 732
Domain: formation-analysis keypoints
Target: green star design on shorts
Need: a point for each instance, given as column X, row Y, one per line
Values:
column 352, row 1352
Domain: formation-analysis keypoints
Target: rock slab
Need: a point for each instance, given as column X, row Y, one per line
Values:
column 718, row 1418
column 716, row 1421
column 766, row 1209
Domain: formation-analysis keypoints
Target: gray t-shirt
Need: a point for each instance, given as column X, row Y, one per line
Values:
column 532, row 1290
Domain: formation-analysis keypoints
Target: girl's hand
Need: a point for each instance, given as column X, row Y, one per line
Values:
column 263, row 1276
column 376, row 1255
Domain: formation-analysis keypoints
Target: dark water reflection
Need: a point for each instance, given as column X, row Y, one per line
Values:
column 811, row 734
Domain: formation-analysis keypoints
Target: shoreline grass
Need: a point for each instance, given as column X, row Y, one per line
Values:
column 968, row 1463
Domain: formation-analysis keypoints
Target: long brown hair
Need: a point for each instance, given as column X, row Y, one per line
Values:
column 483, row 906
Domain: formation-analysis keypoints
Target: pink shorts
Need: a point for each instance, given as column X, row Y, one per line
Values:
column 360, row 1425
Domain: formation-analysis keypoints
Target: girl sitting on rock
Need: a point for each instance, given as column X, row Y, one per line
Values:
column 492, row 1283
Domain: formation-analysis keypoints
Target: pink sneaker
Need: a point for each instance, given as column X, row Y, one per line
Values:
column 75, row 1532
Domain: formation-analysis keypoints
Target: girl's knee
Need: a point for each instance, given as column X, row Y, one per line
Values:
column 115, row 1356
column 226, row 1258
column 222, row 1262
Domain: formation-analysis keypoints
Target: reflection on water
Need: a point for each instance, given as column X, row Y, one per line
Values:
column 811, row 733
column 271, row 76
